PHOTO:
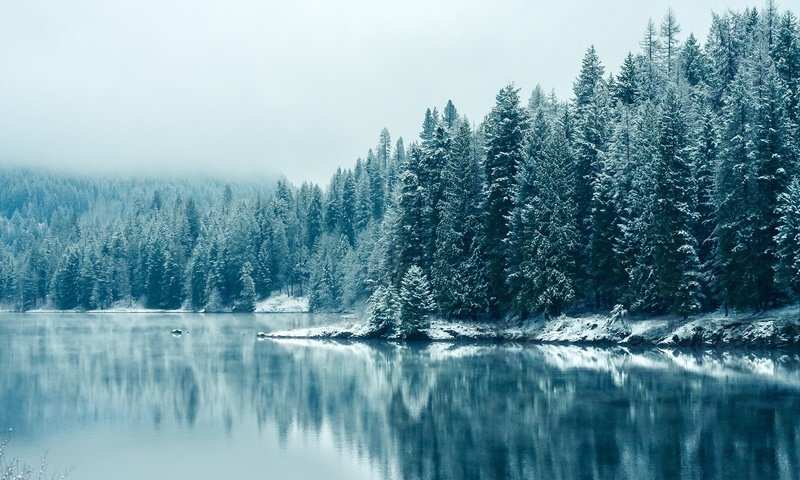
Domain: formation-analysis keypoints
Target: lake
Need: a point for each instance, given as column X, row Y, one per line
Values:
column 117, row 396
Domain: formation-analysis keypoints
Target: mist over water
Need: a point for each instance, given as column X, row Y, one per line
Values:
column 117, row 395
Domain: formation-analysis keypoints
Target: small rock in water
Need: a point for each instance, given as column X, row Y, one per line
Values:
column 261, row 335
column 177, row 332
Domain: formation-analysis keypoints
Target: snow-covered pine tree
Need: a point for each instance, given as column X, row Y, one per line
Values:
column 635, row 245
column 433, row 160
column 547, row 271
column 787, row 270
column 705, row 160
column 457, row 274
column 383, row 151
column 670, row 28
column 416, row 303
column 375, row 169
column 450, row 115
column 348, row 208
column 592, row 134
column 196, row 275
column 171, row 282
column 383, row 311
column 675, row 252
column 521, row 222
column 627, row 86
column 505, row 129
column 364, row 208
column 407, row 223
column 723, row 49
column 785, row 52
column 246, row 302
column 606, row 275
column 755, row 166
column 651, row 74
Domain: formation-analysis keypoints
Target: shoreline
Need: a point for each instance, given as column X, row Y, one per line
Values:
column 275, row 304
column 771, row 329
column 775, row 328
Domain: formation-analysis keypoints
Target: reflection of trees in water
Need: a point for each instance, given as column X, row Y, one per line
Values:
column 431, row 411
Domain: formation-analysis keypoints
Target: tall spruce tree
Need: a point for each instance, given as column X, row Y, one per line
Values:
column 457, row 274
column 416, row 303
column 506, row 129
column 547, row 271
column 787, row 270
column 675, row 253
column 756, row 163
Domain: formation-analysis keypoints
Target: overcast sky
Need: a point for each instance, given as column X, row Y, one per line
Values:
column 297, row 87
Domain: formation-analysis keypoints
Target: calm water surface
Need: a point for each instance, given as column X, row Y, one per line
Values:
column 117, row 396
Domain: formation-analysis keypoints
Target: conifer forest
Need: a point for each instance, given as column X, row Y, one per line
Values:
column 670, row 186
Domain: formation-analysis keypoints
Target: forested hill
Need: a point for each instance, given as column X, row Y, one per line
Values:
column 669, row 186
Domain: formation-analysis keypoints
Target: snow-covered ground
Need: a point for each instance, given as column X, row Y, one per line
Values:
column 283, row 304
column 280, row 303
column 125, row 307
column 780, row 327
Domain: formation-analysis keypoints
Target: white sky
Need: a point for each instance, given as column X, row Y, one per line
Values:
column 299, row 87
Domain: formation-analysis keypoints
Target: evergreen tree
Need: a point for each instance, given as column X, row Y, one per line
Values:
column 788, row 240
column 521, row 221
column 197, row 271
column 457, row 274
column 103, row 291
column 591, row 75
column 675, row 253
column 247, row 297
column 348, row 209
column 692, row 61
column 651, row 59
column 785, row 51
column 384, row 149
column 505, row 150
column 171, row 282
column 450, row 115
column 635, row 247
column 547, row 270
column 314, row 219
column 755, row 166
column 407, row 243
column 86, row 280
column 416, row 303
column 605, row 273
column 670, row 28
column 627, row 86
column 428, row 125
column 590, row 150
column 383, row 310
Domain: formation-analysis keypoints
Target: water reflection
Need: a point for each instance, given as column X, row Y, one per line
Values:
column 431, row 411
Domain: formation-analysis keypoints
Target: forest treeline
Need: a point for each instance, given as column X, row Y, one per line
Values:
column 669, row 187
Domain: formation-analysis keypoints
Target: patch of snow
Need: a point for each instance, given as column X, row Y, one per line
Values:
column 283, row 304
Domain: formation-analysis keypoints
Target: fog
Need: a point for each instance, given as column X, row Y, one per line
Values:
column 246, row 87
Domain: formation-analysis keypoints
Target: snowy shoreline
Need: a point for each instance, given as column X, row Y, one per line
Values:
column 275, row 304
column 776, row 328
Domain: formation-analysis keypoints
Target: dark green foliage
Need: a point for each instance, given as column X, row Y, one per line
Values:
column 675, row 253
column 458, row 277
column 626, row 89
column 546, row 274
column 505, row 129
column 247, row 296
column 693, row 62
column 383, row 309
column 416, row 303
column 788, row 239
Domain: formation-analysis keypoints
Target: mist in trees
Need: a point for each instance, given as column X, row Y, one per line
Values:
column 669, row 186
